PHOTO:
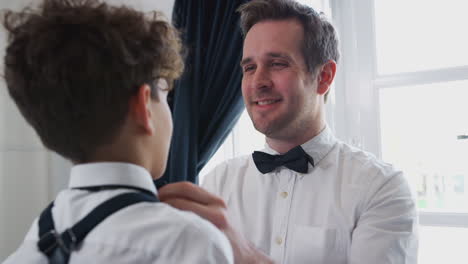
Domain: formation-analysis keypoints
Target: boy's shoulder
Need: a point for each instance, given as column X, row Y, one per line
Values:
column 151, row 231
column 141, row 233
column 153, row 227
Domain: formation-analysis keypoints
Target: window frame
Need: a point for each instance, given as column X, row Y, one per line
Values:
column 357, row 109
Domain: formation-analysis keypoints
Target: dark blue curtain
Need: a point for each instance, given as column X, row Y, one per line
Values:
column 207, row 100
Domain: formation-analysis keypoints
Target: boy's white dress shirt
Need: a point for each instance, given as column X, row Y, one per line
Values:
column 349, row 208
column 141, row 233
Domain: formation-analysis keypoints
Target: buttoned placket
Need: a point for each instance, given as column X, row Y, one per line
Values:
column 286, row 181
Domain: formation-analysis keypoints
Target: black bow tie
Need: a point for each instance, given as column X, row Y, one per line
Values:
column 296, row 159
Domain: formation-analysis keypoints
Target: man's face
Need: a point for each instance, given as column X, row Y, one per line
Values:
column 279, row 93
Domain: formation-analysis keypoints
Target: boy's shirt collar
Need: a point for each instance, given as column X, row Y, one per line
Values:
column 111, row 173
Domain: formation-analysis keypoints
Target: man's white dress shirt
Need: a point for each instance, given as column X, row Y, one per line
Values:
column 141, row 233
column 349, row 208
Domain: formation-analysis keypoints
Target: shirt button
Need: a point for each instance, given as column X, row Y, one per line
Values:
column 284, row 194
column 279, row 240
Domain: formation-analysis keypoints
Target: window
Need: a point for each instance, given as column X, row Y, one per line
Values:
column 401, row 94
column 421, row 125
column 409, row 92
column 425, row 35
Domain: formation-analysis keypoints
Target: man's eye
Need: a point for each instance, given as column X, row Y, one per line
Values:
column 249, row 68
column 278, row 64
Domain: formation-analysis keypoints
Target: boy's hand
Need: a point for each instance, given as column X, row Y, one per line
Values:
column 190, row 197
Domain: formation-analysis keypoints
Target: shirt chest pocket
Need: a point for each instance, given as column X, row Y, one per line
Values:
column 311, row 244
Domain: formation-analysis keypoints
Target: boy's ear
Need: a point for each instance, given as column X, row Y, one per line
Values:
column 140, row 109
column 326, row 75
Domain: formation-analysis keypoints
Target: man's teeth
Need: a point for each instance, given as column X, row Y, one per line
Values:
column 266, row 102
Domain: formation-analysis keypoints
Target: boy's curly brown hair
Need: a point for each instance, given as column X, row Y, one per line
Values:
column 71, row 66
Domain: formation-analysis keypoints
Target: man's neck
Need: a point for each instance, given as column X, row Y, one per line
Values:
column 283, row 145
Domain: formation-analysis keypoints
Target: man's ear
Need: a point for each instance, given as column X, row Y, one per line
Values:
column 326, row 75
column 140, row 109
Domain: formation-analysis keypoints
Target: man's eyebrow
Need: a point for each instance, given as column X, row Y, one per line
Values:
column 245, row 61
column 279, row 55
column 269, row 55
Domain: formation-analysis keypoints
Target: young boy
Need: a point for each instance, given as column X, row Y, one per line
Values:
column 92, row 80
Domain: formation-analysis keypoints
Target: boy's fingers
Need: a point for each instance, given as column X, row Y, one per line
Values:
column 214, row 214
column 191, row 192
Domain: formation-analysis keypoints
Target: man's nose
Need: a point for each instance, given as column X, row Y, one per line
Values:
column 261, row 78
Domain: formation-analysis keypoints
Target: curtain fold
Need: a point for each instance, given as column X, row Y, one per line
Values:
column 207, row 101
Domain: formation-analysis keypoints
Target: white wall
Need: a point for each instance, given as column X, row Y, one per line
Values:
column 30, row 176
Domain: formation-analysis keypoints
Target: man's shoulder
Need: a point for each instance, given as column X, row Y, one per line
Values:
column 366, row 174
column 231, row 167
column 236, row 162
column 363, row 163
column 220, row 179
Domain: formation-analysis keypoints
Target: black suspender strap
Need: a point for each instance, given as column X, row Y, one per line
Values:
column 47, row 235
column 57, row 247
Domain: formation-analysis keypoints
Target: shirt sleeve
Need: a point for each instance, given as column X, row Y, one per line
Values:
column 215, row 180
column 221, row 180
column 209, row 183
column 386, row 231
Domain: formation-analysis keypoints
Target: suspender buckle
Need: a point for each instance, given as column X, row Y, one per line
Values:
column 59, row 246
column 72, row 238
column 51, row 240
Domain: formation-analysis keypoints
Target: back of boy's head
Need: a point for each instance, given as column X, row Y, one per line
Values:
column 72, row 66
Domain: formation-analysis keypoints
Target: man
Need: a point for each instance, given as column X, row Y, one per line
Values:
column 322, row 201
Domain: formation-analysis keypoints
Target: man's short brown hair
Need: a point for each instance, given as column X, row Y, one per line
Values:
column 71, row 66
column 320, row 38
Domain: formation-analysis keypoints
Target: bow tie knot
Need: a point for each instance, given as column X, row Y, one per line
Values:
column 296, row 159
